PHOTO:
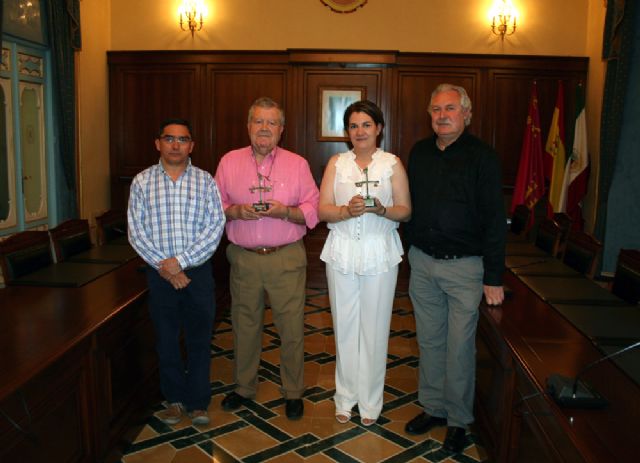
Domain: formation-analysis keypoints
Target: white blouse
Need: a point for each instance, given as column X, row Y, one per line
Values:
column 369, row 244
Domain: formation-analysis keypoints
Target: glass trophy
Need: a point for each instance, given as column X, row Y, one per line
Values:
column 369, row 201
column 262, row 188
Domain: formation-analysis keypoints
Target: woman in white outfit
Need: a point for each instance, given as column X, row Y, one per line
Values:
column 362, row 253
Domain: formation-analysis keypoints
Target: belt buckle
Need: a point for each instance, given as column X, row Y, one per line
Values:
column 263, row 251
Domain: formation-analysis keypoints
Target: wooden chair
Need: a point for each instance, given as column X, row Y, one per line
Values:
column 112, row 226
column 565, row 222
column 70, row 238
column 520, row 220
column 548, row 236
column 626, row 282
column 582, row 252
column 24, row 253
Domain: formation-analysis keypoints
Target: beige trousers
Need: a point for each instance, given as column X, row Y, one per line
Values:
column 282, row 275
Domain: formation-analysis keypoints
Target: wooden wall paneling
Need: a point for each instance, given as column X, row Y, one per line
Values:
column 232, row 91
column 508, row 118
column 317, row 151
column 141, row 97
column 214, row 90
column 414, row 87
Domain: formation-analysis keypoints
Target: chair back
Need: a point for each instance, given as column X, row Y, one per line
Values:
column 565, row 222
column 70, row 238
column 520, row 219
column 626, row 282
column 111, row 226
column 582, row 252
column 548, row 236
column 24, row 253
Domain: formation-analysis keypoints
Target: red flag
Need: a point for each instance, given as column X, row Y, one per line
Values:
column 576, row 175
column 530, row 180
column 555, row 149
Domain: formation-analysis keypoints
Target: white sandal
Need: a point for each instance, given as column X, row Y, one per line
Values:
column 368, row 421
column 343, row 416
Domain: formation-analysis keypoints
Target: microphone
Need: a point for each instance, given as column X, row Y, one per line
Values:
column 573, row 393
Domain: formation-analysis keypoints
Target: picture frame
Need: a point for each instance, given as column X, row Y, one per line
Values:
column 333, row 101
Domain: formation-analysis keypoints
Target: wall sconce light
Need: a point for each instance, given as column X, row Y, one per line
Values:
column 504, row 18
column 191, row 14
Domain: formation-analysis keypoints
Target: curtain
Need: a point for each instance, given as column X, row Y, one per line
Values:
column 63, row 26
column 617, row 199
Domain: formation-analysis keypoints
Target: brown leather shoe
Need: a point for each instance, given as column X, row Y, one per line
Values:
column 423, row 423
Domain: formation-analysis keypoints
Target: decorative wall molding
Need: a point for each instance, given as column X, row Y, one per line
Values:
column 344, row 6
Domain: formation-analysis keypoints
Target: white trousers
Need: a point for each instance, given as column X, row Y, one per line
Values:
column 361, row 310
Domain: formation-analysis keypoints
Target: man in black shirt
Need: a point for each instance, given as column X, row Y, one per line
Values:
column 457, row 238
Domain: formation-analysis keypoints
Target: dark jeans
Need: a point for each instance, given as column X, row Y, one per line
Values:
column 192, row 311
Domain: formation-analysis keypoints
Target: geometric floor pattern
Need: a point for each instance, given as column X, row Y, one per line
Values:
column 260, row 432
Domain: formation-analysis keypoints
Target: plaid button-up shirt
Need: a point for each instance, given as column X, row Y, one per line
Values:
column 182, row 219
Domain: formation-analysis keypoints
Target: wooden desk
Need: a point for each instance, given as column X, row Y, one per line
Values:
column 106, row 253
column 536, row 265
column 568, row 290
column 519, row 345
column 65, row 274
column 79, row 360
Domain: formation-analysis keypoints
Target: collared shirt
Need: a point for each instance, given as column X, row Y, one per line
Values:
column 458, row 205
column 182, row 219
column 289, row 177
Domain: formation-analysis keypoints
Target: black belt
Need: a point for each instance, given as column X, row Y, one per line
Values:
column 444, row 256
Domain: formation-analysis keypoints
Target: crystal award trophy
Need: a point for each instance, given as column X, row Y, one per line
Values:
column 369, row 201
column 261, row 188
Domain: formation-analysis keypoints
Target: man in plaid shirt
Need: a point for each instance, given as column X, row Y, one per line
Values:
column 176, row 221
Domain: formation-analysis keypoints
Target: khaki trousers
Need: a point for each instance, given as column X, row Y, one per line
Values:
column 282, row 275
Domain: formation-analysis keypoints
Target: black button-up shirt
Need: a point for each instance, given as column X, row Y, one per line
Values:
column 457, row 202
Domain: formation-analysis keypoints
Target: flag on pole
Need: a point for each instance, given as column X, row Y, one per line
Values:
column 555, row 149
column 529, row 186
column 576, row 175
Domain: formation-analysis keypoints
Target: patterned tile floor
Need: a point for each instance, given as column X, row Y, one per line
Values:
column 260, row 432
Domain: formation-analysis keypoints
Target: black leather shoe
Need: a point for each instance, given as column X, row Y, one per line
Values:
column 455, row 441
column 423, row 423
column 294, row 409
column 233, row 401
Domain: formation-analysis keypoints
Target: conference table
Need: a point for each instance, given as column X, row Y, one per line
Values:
column 106, row 254
column 76, row 365
column 556, row 323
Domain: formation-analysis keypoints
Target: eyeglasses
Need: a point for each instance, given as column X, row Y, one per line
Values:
column 170, row 139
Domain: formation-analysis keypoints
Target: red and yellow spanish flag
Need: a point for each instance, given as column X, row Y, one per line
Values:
column 555, row 149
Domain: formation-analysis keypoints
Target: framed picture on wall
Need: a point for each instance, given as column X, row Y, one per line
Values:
column 333, row 103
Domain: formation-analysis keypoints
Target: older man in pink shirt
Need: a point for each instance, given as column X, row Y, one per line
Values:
column 270, row 198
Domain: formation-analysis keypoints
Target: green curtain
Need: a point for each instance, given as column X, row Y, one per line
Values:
column 618, row 126
column 63, row 26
